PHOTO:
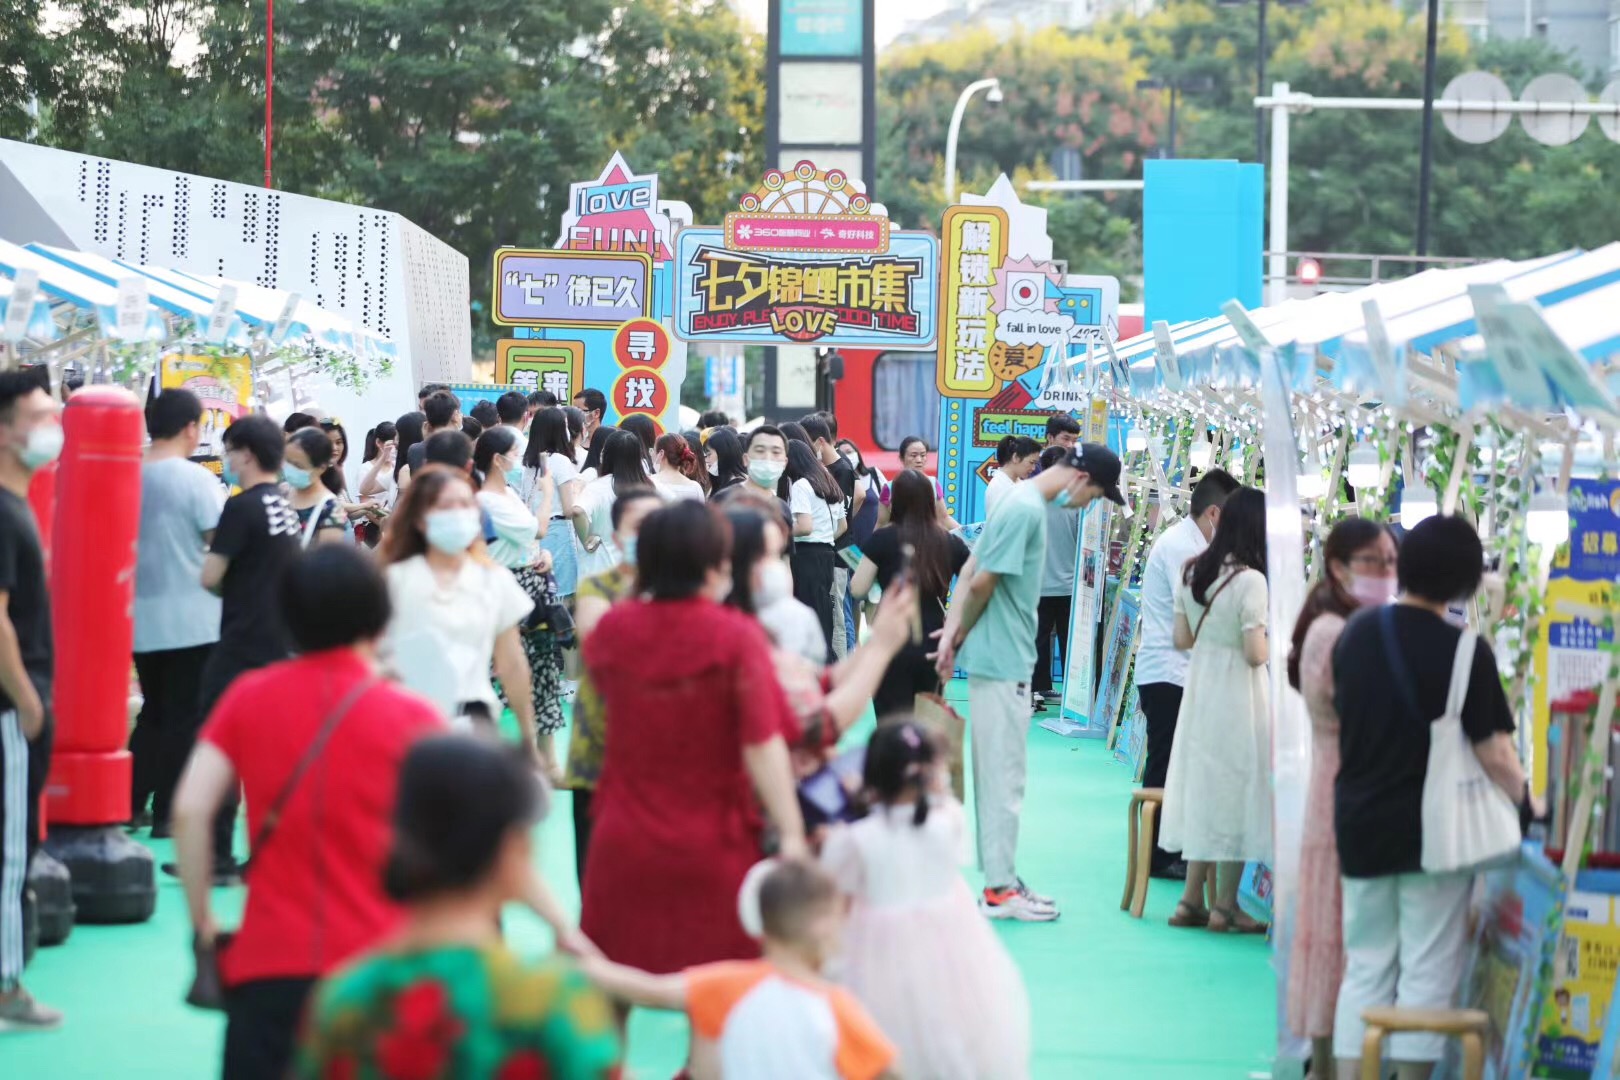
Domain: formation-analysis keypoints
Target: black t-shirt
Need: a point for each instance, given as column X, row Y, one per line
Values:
column 843, row 472
column 884, row 550
column 1383, row 747
column 28, row 605
column 260, row 534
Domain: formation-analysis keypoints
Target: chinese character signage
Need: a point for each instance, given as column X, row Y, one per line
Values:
column 880, row 301
column 808, row 259
column 822, row 27
column 1570, row 655
column 641, row 347
column 975, row 240
column 570, row 289
column 1594, row 531
column 556, row 366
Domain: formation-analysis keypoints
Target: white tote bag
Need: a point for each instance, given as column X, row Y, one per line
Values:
column 1468, row 822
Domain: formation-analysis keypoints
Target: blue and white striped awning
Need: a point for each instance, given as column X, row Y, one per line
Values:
column 74, row 287
column 162, row 294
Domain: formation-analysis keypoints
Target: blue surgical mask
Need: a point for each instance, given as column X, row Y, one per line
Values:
column 232, row 477
column 514, row 476
column 629, row 550
column 297, row 479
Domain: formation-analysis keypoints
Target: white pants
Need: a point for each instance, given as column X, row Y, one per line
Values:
column 1405, row 942
column 998, row 715
column 840, row 586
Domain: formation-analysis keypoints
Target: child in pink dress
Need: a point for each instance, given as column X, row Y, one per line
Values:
column 917, row 952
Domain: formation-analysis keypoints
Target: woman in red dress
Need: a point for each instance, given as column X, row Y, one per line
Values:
column 698, row 731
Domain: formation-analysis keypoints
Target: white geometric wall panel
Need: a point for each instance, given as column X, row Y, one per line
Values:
column 372, row 265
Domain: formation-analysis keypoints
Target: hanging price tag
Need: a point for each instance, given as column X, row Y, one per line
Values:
column 133, row 304
column 1164, row 354
column 279, row 332
column 24, row 291
column 219, row 319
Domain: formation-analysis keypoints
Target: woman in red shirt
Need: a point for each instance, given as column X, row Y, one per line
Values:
column 697, row 739
column 321, row 738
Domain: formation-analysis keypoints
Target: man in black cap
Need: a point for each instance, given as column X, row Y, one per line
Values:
column 992, row 623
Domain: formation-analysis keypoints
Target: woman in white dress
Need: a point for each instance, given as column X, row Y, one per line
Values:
column 550, row 488
column 622, row 467
column 1217, row 796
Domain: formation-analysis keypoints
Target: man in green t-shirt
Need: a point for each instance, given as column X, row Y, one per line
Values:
column 992, row 623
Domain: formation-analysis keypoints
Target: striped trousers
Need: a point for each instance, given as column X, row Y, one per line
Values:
column 22, row 779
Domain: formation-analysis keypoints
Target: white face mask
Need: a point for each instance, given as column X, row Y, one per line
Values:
column 44, row 446
column 775, row 583
column 766, row 473
column 714, row 468
column 452, row 531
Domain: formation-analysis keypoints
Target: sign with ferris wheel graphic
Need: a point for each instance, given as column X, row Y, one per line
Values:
column 807, row 259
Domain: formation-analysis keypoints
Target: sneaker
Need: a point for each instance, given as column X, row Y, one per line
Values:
column 1035, row 897
column 20, row 1012
column 1014, row 904
column 1037, row 702
column 226, row 874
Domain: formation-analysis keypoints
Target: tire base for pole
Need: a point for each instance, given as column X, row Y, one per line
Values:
column 52, row 888
column 113, row 879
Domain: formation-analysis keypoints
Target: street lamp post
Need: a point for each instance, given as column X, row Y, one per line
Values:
column 994, row 86
column 1197, row 85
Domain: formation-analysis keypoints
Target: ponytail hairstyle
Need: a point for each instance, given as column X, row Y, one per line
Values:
column 678, row 456
column 494, row 441
column 898, row 760
column 382, row 433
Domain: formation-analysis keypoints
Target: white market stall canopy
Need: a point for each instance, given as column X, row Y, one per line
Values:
column 1536, row 334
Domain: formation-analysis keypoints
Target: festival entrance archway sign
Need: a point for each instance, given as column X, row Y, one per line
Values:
column 807, row 259
column 594, row 310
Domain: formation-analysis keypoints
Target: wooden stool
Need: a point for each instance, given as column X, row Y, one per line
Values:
column 1143, row 811
column 1468, row 1025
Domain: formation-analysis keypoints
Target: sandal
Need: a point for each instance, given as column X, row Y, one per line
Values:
column 1233, row 923
column 1187, row 915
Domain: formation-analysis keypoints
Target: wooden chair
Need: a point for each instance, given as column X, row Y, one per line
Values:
column 1143, row 811
column 1468, row 1025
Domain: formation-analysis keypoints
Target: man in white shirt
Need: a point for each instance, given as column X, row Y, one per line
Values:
column 1161, row 668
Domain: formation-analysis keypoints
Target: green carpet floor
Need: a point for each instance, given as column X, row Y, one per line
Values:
column 1113, row 997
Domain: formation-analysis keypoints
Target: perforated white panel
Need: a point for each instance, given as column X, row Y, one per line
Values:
column 373, row 266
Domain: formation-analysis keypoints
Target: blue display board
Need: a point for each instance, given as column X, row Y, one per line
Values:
column 823, row 27
column 1202, row 237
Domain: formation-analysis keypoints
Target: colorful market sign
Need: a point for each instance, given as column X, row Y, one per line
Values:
column 807, row 260
column 990, row 427
column 975, row 239
column 554, row 366
column 618, row 211
column 571, row 289
column 642, row 347
column 597, row 309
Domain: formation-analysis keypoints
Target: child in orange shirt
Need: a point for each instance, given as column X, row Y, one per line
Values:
column 774, row 1018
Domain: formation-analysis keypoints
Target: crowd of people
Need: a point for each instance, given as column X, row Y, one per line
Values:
column 423, row 627
column 1372, row 655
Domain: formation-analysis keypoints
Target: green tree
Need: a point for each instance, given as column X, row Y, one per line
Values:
column 28, row 63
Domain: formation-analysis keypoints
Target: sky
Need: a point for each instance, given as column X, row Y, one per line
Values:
column 892, row 16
